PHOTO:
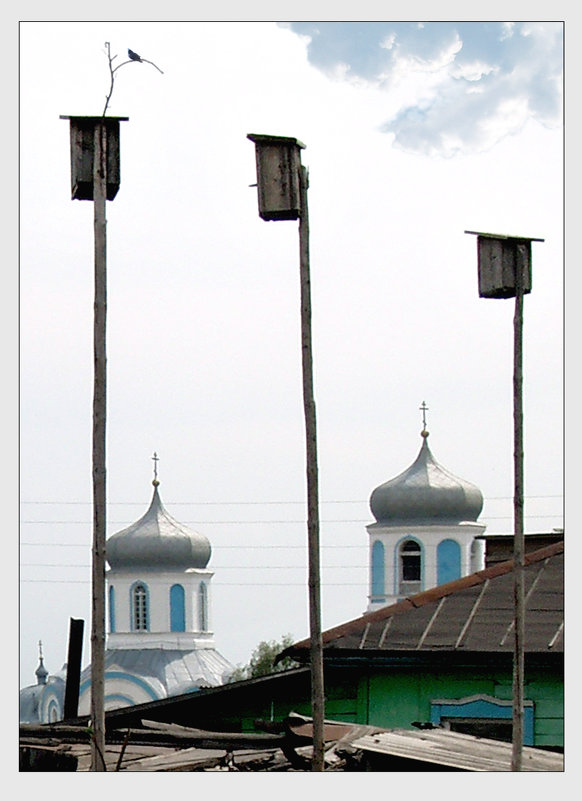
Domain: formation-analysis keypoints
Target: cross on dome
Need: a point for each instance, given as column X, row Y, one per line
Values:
column 424, row 409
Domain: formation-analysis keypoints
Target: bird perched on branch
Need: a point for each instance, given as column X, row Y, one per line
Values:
column 133, row 56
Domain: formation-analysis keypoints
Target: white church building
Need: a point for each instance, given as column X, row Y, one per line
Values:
column 159, row 604
column 426, row 530
column 160, row 639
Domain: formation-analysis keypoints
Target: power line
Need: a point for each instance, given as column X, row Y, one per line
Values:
column 246, row 503
column 215, row 547
column 217, row 584
column 362, row 522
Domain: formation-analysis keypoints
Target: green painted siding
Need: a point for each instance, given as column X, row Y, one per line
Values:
column 394, row 698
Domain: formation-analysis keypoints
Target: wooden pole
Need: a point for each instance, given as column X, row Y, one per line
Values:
column 316, row 647
column 99, row 418
column 518, row 535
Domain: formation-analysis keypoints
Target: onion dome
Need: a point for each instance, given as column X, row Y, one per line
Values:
column 157, row 541
column 41, row 672
column 426, row 493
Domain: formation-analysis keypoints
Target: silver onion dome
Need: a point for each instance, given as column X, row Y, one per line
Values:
column 157, row 541
column 426, row 493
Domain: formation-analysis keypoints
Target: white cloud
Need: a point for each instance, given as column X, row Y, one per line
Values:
column 450, row 77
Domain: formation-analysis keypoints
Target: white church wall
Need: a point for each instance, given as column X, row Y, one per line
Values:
column 158, row 586
column 428, row 537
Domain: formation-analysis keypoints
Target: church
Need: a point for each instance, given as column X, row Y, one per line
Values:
column 160, row 639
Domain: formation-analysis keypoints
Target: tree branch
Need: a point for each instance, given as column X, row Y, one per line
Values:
column 113, row 70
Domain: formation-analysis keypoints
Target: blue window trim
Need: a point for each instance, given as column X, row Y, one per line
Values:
column 406, row 538
column 378, row 588
column 484, row 707
column 119, row 697
column 129, row 677
column 446, row 575
column 112, row 608
column 177, row 608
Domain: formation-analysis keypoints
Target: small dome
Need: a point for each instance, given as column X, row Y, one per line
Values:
column 157, row 541
column 41, row 673
column 426, row 493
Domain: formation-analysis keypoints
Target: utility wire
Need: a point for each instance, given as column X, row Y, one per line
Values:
column 246, row 503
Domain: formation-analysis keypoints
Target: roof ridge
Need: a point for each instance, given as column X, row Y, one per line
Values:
column 436, row 593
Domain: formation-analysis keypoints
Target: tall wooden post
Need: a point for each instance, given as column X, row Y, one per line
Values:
column 504, row 264
column 316, row 647
column 99, row 428
column 282, row 193
column 518, row 535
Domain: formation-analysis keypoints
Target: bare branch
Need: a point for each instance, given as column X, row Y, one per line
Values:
column 113, row 70
column 153, row 65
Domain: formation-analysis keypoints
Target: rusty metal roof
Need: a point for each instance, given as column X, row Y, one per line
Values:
column 472, row 614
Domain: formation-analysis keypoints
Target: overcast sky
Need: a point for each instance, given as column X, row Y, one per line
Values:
column 414, row 133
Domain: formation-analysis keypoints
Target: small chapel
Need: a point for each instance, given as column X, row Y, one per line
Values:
column 426, row 530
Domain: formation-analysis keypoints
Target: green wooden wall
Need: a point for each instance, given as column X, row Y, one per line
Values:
column 394, row 698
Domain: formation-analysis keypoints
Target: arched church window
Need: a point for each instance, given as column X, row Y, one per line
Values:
column 139, row 607
column 378, row 588
column 409, row 567
column 111, row 608
column 448, row 561
column 202, row 607
column 177, row 608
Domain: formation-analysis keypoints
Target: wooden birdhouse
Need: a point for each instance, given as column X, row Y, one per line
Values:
column 83, row 131
column 278, row 163
column 502, row 262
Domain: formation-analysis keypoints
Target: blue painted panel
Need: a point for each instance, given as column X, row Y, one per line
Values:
column 177, row 608
column 484, row 709
column 112, row 609
column 377, row 569
column 448, row 561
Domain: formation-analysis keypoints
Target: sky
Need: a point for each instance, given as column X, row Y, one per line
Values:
column 414, row 133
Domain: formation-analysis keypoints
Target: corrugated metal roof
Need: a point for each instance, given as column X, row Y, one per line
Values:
column 474, row 613
column 454, row 750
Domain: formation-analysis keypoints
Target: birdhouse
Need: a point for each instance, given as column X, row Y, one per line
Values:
column 278, row 163
column 502, row 262
column 83, row 152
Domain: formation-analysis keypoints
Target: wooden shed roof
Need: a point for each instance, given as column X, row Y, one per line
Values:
column 472, row 614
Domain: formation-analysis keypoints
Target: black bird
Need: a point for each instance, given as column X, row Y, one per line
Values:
column 133, row 56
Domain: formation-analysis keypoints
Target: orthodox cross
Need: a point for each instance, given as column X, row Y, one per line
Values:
column 155, row 459
column 424, row 410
